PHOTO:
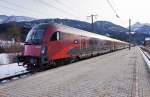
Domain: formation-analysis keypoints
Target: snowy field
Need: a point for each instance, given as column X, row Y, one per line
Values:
column 6, row 58
column 7, row 68
column 11, row 69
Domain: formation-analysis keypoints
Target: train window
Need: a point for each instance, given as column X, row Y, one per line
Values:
column 55, row 36
column 58, row 35
column 36, row 33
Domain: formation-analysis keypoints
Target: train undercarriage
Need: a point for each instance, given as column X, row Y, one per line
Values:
column 41, row 63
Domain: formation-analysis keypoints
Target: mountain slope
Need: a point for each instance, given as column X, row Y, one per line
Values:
column 7, row 19
column 100, row 27
column 141, row 28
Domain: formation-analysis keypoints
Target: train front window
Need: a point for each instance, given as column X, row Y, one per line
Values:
column 36, row 34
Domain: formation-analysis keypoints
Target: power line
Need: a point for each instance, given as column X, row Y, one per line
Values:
column 13, row 9
column 52, row 6
column 114, row 10
column 114, row 3
column 92, row 20
column 22, row 7
column 66, row 5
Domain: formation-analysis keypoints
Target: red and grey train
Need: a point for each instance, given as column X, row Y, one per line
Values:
column 49, row 44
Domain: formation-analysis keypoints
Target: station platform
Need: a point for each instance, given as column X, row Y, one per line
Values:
column 122, row 73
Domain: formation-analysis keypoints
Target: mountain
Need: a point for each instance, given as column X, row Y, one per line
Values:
column 141, row 28
column 142, row 31
column 7, row 19
column 108, row 27
column 112, row 30
column 100, row 27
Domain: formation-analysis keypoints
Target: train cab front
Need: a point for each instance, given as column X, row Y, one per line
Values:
column 34, row 53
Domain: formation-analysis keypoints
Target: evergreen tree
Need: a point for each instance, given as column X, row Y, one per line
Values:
column 14, row 31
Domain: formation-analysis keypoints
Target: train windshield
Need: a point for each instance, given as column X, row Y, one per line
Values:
column 36, row 34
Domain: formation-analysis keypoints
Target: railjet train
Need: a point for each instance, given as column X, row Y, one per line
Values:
column 53, row 44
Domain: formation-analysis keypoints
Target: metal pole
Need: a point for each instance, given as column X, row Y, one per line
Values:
column 129, row 34
column 92, row 21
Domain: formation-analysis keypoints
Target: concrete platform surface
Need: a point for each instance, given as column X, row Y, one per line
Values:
column 119, row 74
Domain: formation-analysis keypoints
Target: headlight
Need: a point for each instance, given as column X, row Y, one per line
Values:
column 44, row 50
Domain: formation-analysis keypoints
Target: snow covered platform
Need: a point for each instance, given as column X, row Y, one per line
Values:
column 10, row 70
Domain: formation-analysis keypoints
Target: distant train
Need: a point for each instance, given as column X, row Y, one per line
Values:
column 52, row 44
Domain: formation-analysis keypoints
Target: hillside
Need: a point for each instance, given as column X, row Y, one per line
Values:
column 100, row 27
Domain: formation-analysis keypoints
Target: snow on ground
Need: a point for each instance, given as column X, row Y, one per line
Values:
column 4, row 59
column 7, row 68
column 11, row 69
column 7, row 58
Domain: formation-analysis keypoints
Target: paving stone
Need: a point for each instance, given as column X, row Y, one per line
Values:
column 109, row 75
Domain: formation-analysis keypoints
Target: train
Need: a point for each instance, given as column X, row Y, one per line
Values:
column 54, row 44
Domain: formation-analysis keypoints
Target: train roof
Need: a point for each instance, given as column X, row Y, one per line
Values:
column 85, row 33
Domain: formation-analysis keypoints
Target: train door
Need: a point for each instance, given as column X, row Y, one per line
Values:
column 83, row 45
column 54, row 44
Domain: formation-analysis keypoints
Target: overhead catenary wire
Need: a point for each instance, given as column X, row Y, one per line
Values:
column 66, row 5
column 24, row 8
column 70, row 3
column 113, row 8
column 114, row 4
column 14, row 9
column 116, row 8
column 58, row 9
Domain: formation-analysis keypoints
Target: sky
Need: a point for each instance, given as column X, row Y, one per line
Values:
column 136, row 10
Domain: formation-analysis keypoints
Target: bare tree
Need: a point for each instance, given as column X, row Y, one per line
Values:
column 14, row 33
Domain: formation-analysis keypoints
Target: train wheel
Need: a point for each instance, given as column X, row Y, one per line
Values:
column 32, row 68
